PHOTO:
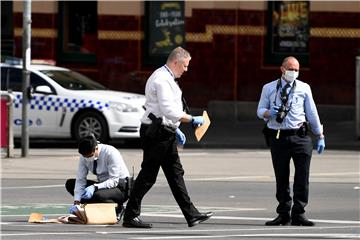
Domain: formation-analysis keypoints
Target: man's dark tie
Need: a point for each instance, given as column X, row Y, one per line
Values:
column 95, row 166
column 284, row 93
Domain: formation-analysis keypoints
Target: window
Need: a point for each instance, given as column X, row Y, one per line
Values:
column 7, row 29
column 36, row 80
column 77, row 38
column 11, row 79
column 73, row 80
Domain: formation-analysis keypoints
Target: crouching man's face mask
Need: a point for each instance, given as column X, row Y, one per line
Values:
column 92, row 157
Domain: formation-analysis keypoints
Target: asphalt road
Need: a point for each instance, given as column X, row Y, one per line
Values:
column 238, row 185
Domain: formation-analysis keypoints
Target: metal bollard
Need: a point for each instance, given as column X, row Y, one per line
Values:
column 10, row 132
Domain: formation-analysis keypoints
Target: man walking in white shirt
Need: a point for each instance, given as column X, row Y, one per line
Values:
column 159, row 130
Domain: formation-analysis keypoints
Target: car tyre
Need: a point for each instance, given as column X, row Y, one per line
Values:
column 91, row 123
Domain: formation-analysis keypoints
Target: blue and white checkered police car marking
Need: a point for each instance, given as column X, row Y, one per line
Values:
column 52, row 103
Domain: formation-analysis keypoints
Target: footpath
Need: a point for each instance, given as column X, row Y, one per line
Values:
column 235, row 125
column 339, row 135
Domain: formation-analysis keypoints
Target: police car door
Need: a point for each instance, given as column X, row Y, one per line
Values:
column 42, row 123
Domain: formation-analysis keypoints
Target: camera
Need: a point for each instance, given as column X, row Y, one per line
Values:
column 281, row 114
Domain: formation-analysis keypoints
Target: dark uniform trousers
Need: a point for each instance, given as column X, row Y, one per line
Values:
column 299, row 148
column 112, row 195
column 160, row 151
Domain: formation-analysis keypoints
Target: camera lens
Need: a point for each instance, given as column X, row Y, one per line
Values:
column 279, row 119
column 281, row 115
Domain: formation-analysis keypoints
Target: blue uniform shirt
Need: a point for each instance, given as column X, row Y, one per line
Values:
column 300, row 101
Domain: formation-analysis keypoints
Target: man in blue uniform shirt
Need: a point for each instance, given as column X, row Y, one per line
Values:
column 165, row 110
column 287, row 105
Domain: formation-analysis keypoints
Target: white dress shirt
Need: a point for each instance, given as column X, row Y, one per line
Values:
column 110, row 168
column 301, row 103
column 163, row 98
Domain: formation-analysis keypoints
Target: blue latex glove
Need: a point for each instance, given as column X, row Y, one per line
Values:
column 180, row 136
column 73, row 209
column 320, row 146
column 198, row 121
column 273, row 111
column 88, row 192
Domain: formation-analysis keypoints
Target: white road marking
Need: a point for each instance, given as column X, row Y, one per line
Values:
column 231, row 178
column 42, row 186
column 152, row 231
column 300, row 235
column 249, row 218
column 43, row 233
column 335, row 174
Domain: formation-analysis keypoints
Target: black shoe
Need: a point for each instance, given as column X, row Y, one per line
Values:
column 199, row 219
column 301, row 220
column 279, row 220
column 136, row 223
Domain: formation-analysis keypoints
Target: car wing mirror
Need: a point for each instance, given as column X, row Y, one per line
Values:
column 43, row 89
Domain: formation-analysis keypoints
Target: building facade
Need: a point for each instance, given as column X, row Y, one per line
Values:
column 228, row 41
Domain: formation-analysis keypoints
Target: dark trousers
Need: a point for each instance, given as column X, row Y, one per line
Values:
column 111, row 195
column 300, row 150
column 160, row 151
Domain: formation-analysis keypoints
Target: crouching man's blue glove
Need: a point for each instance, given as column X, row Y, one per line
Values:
column 197, row 121
column 88, row 192
column 73, row 209
column 320, row 146
column 180, row 136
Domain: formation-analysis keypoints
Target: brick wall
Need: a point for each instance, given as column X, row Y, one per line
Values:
column 225, row 67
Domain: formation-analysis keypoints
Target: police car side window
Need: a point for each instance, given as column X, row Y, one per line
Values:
column 11, row 79
column 35, row 81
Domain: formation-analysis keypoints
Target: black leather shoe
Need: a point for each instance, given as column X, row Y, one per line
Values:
column 136, row 223
column 301, row 220
column 279, row 220
column 199, row 219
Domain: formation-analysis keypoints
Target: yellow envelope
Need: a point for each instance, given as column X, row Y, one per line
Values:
column 200, row 131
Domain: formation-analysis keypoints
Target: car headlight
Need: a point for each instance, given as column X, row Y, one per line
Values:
column 122, row 107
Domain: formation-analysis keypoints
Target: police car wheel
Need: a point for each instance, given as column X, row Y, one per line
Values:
column 91, row 123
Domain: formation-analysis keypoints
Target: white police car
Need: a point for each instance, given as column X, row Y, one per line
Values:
column 66, row 104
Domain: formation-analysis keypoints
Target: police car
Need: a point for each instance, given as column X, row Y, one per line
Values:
column 67, row 104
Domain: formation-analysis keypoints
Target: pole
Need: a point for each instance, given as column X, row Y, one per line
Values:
column 10, row 149
column 26, row 77
column 357, row 101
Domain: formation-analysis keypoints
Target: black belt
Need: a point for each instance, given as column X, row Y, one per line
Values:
column 284, row 132
column 301, row 132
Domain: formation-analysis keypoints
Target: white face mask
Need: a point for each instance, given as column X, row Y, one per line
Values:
column 291, row 75
column 92, row 158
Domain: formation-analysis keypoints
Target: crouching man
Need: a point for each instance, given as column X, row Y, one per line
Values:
column 107, row 164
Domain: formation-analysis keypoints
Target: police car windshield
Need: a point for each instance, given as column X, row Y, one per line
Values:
column 73, row 80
